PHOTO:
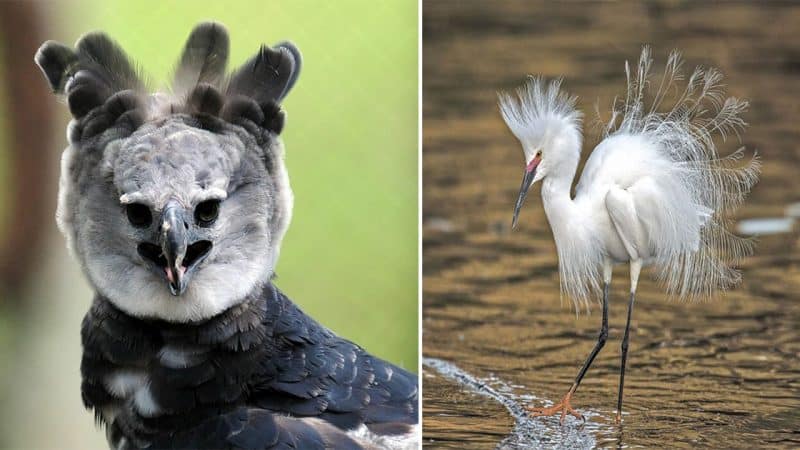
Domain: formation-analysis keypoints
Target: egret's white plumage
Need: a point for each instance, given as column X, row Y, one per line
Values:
column 653, row 192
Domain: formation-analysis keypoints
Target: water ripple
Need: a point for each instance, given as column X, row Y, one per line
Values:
column 528, row 432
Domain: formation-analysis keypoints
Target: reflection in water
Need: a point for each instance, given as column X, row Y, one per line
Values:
column 723, row 373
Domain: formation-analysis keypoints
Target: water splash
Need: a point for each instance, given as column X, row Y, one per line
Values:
column 527, row 432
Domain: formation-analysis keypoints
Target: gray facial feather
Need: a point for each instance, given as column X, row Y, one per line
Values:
column 160, row 148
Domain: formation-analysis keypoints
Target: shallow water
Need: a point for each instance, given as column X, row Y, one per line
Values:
column 723, row 373
column 526, row 431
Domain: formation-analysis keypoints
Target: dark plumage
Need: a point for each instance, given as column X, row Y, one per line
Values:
column 256, row 373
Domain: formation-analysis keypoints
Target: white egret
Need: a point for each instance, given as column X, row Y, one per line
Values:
column 654, row 192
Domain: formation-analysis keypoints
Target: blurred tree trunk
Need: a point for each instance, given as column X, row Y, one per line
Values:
column 29, row 121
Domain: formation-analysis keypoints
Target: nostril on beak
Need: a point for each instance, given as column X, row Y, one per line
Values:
column 153, row 253
column 196, row 251
column 185, row 225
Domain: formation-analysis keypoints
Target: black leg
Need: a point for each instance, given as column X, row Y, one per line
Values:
column 601, row 341
column 624, row 358
column 564, row 406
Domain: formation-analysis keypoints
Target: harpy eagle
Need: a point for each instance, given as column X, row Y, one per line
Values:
column 175, row 204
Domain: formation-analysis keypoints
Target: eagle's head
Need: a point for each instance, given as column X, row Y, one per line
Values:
column 175, row 202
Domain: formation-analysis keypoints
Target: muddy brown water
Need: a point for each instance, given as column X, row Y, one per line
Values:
column 497, row 336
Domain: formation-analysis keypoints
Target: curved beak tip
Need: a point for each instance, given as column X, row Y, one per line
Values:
column 175, row 280
column 176, row 291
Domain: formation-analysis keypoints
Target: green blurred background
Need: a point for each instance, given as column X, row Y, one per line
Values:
column 350, row 255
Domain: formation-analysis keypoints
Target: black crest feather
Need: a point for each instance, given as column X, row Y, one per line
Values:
column 204, row 58
column 267, row 76
column 55, row 60
column 204, row 99
column 124, row 109
column 101, row 55
column 298, row 62
column 97, row 69
column 241, row 107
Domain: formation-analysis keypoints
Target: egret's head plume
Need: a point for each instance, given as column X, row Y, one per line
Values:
column 546, row 123
column 540, row 115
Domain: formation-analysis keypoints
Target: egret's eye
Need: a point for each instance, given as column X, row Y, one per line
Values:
column 139, row 215
column 205, row 213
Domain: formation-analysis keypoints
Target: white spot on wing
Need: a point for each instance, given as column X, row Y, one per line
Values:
column 175, row 358
column 124, row 384
column 133, row 386
column 145, row 403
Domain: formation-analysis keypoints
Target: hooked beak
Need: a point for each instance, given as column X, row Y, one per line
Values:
column 173, row 246
column 527, row 180
column 174, row 257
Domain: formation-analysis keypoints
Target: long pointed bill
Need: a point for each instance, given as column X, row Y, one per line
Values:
column 527, row 180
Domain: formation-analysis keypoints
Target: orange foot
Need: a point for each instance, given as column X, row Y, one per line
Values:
column 563, row 406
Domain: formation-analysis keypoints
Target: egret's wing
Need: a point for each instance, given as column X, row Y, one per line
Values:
column 622, row 210
column 664, row 155
column 655, row 218
column 670, row 218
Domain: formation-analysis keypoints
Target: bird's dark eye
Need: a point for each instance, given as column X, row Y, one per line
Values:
column 139, row 215
column 206, row 212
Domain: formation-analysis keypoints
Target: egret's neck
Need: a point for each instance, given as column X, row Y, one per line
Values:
column 558, row 203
